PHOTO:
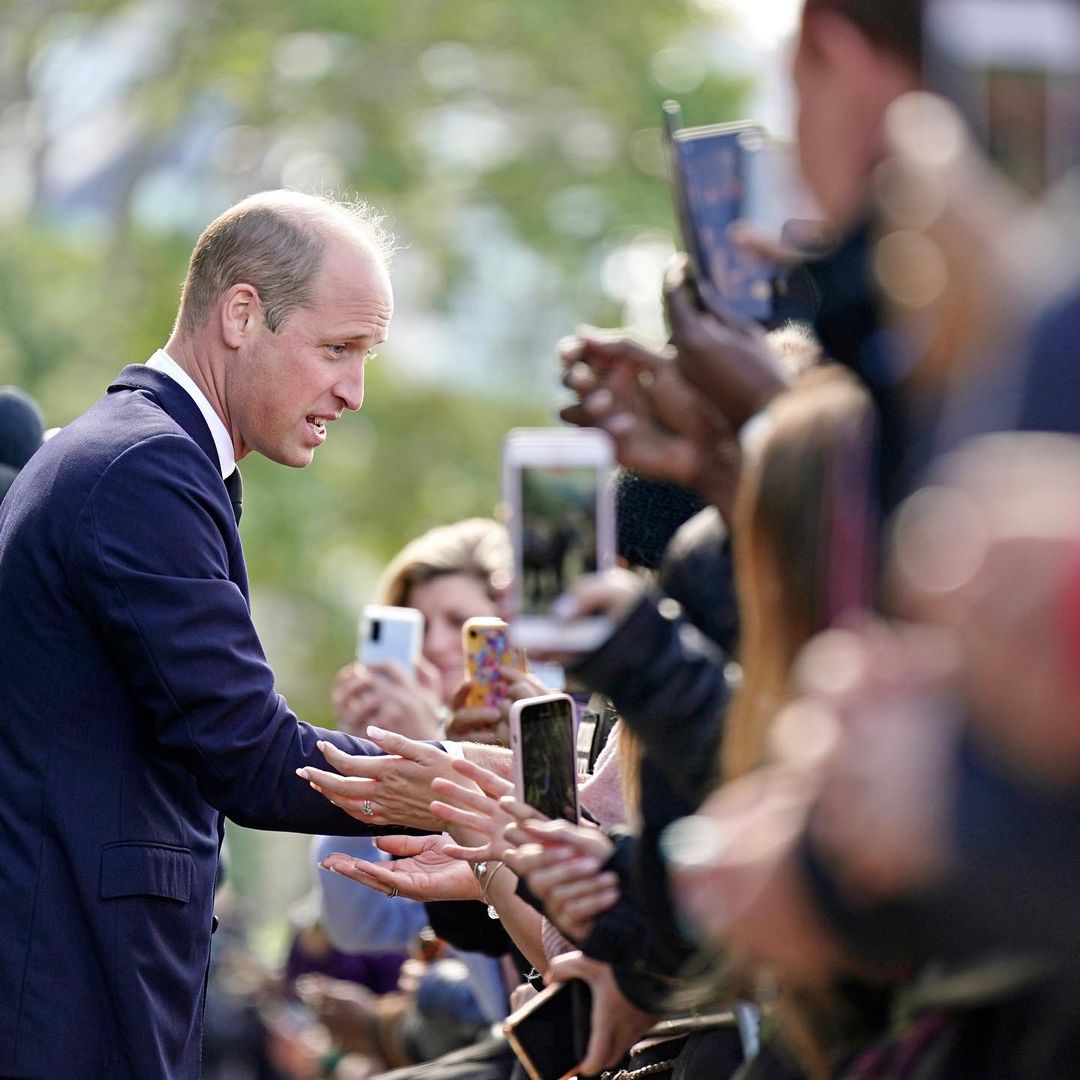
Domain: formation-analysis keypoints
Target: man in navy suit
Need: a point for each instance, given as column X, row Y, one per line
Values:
column 136, row 705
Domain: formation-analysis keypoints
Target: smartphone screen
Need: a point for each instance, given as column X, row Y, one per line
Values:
column 558, row 531
column 561, row 506
column 710, row 171
column 548, row 757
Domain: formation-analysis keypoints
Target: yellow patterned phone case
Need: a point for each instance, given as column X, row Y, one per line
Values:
column 487, row 648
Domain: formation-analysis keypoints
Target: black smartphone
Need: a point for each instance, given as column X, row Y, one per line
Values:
column 545, row 756
column 550, row 1033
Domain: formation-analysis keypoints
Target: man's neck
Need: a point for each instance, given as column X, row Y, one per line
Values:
column 198, row 363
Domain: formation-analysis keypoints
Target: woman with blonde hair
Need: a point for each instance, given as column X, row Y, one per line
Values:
column 449, row 574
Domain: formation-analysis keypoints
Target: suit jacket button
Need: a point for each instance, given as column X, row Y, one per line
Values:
column 214, row 924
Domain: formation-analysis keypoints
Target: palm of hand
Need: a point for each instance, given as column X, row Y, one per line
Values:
column 436, row 875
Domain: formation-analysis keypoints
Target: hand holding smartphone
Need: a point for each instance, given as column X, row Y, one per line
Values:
column 487, row 648
column 550, row 1033
column 727, row 173
column 545, row 755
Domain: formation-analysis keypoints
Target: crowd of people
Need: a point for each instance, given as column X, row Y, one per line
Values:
column 829, row 834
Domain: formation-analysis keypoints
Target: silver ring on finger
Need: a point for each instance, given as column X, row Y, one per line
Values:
column 367, row 807
column 392, row 893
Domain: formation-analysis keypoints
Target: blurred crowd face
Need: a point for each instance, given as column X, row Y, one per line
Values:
column 446, row 602
column 843, row 86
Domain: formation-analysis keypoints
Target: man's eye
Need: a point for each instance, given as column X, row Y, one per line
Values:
column 338, row 350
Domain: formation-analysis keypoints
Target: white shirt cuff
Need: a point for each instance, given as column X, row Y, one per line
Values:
column 453, row 749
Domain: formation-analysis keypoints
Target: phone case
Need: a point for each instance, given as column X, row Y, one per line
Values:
column 487, row 648
column 390, row 633
column 550, row 1033
column 542, row 740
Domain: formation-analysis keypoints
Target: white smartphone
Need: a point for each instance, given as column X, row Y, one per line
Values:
column 545, row 756
column 1013, row 69
column 390, row 633
column 557, row 487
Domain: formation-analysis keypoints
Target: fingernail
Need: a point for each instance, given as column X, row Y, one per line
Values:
column 302, row 773
column 376, row 733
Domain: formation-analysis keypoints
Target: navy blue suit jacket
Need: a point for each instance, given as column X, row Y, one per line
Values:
column 136, row 708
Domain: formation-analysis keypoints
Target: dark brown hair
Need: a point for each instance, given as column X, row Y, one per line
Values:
column 892, row 25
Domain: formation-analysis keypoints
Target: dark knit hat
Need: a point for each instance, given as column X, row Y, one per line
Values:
column 21, row 427
column 648, row 513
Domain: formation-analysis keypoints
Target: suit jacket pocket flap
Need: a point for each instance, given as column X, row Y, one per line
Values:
column 146, row 870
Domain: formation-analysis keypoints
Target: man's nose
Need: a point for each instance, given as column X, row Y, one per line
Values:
column 350, row 387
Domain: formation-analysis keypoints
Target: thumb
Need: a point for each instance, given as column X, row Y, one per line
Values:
column 401, row 845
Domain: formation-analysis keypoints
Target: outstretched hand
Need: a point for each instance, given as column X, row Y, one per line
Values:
column 476, row 817
column 389, row 789
column 561, row 864
column 616, row 1024
column 426, row 869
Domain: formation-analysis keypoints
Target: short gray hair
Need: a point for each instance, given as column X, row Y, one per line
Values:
column 274, row 241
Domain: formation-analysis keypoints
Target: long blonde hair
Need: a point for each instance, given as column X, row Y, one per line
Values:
column 477, row 547
column 785, row 522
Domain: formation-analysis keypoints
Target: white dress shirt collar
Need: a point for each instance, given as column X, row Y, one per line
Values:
column 163, row 362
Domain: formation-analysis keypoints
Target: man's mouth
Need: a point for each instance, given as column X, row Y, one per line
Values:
column 318, row 423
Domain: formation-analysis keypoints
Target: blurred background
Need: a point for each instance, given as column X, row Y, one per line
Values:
column 514, row 145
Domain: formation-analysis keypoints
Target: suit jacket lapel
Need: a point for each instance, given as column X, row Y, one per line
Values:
column 174, row 399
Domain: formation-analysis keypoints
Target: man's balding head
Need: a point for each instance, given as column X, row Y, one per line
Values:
column 274, row 241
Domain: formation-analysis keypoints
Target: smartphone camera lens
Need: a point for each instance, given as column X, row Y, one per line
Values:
column 376, row 629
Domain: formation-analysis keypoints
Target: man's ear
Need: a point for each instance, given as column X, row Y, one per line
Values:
column 241, row 315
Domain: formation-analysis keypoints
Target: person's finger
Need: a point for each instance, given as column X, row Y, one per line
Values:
column 369, row 766
column 567, row 966
column 403, row 846
column 528, row 858
column 581, row 378
column 488, row 782
column 410, row 749
column 577, row 415
column 586, row 839
column 370, row 874
column 468, row 854
column 543, row 878
column 391, row 671
column 352, row 785
column 468, row 798
column 520, row 810
column 361, row 809
column 577, row 887
column 514, row 835
column 570, row 349
column 584, row 910
column 480, row 823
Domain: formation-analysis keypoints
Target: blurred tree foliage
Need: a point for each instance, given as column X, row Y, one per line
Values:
column 514, row 143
